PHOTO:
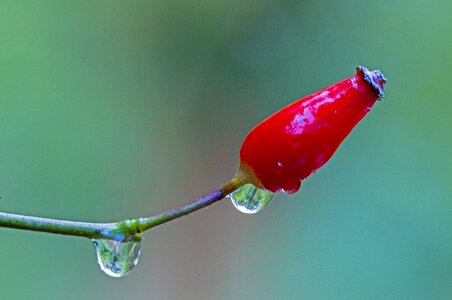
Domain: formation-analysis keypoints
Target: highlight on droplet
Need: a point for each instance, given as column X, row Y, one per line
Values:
column 249, row 199
column 117, row 259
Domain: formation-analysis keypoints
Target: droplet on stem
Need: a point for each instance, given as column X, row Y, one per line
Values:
column 249, row 199
column 117, row 259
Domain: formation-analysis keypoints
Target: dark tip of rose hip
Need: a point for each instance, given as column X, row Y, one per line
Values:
column 375, row 78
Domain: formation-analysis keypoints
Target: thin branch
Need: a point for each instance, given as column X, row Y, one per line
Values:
column 90, row 230
column 125, row 230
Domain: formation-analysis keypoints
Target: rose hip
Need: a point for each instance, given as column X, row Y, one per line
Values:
column 294, row 142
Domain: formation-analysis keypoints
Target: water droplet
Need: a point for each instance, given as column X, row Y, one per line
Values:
column 249, row 199
column 117, row 259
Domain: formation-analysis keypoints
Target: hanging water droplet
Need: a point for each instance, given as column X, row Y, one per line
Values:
column 249, row 199
column 117, row 259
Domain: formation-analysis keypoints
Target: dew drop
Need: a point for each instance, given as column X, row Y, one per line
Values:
column 117, row 259
column 249, row 199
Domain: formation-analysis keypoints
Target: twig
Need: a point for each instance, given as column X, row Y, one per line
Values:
column 122, row 231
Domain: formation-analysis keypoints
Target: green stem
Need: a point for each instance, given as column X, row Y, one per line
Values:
column 125, row 230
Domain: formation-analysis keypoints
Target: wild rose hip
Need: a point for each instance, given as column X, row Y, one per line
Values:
column 300, row 138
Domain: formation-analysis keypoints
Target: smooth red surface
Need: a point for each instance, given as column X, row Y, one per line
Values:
column 300, row 138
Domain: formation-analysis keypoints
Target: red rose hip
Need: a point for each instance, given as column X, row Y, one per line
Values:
column 300, row 138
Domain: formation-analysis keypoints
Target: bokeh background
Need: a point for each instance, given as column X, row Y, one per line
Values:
column 118, row 109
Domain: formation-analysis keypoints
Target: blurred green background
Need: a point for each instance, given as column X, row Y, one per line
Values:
column 117, row 109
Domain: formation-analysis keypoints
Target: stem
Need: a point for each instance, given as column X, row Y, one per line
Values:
column 91, row 230
column 123, row 231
